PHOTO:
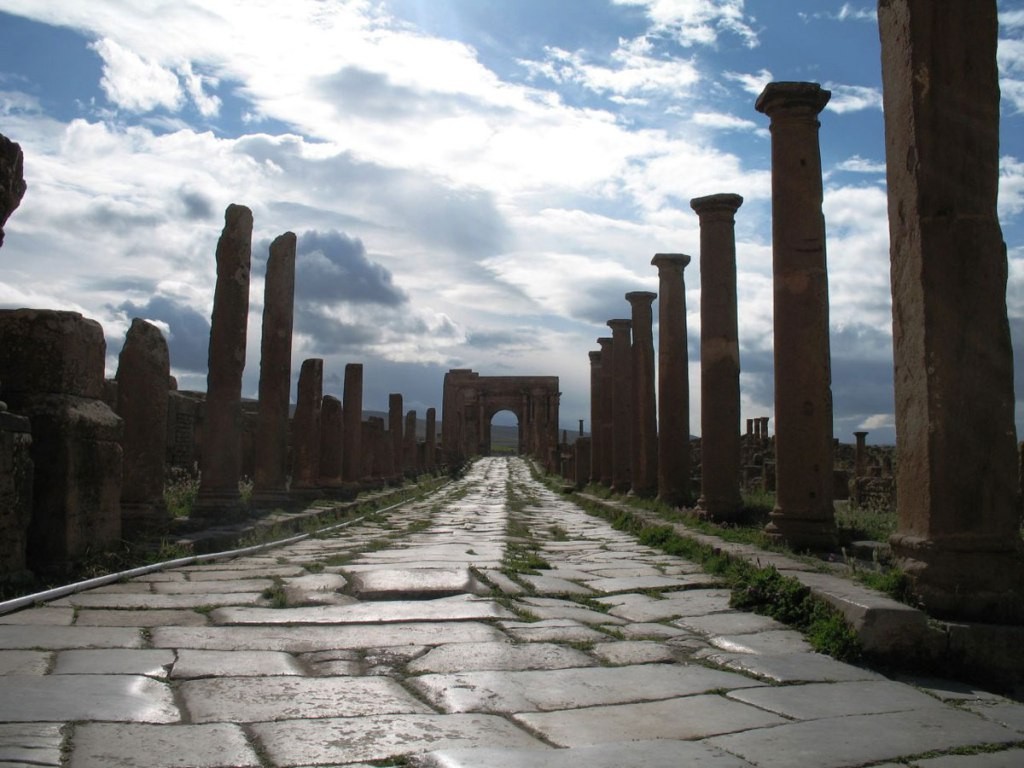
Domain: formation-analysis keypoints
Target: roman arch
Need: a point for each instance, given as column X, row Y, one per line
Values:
column 471, row 400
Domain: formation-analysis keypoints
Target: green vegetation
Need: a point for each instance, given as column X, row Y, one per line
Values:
column 276, row 594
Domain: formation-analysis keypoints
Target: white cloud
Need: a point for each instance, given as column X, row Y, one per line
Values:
column 208, row 106
column 858, row 164
column 723, row 122
column 1011, row 186
column 848, row 11
column 698, row 22
column 879, row 421
column 853, row 98
column 1010, row 56
column 134, row 83
column 752, row 83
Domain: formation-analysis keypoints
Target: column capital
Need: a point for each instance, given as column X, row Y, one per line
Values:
column 725, row 202
column 641, row 297
column 595, row 357
column 792, row 97
column 670, row 260
column 620, row 324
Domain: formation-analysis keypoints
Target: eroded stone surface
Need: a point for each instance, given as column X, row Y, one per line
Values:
column 663, row 753
column 124, row 745
column 816, row 700
column 191, row 663
column 24, row 662
column 499, row 656
column 30, row 744
column 58, row 698
column 48, row 637
column 462, row 608
column 114, row 662
column 414, row 583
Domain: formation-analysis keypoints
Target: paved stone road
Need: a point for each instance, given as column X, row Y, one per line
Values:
column 423, row 633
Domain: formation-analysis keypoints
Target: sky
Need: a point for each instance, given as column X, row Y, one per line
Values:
column 474, row 183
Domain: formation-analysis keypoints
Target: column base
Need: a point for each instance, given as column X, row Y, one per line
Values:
column 271, row 498
column 219, row 505
column 969, row 578
column 140, row 518
column 801, row 533
column 720, row 509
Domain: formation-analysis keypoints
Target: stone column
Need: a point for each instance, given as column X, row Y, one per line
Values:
column 220, row 460
column 352, row 400
column 431, row 440
column 860, row 456
column 331, row 429
column 719, row 357
column 395, row 411
column 143, row 375
column 409, row 445
column 750, row 429
column 306, row 426
column 605, row 411
column 958, row 534
column 673, row 381
column 270, row 475
column 645, row 410
column 594, row 470
column 12, row 180
column 764, row 428
column 622, row 404
column 803, row 514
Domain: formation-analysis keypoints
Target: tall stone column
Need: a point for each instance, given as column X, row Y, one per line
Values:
column 270, row 475
column 306, row 426
column 395, row 416
column 431, row 440
column 860, row 456
column 409, row 445
column 803, row 514
column 605, row 415
column 352, row 408
column 143, row 375
column 594, row 470
column 331, row 430
column 719, row 357
column 645, row 410
column 622, row 404
column 764, row 428
column 673, row 381
column 958, row 532
column 220, row 461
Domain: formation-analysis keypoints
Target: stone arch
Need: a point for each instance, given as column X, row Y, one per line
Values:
column 471, row 400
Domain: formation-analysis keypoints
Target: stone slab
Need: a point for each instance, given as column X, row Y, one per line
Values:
column 503, row 582
column 124, row 588
column 553, row 631
column 1005, row 712
column 227, row 586
column 649, row 631
column 45, row 615
column 152, row 663
column 102, row 617
column 1010, row 758
column 316, row 589
column 862, row 739
column 790, row 668
column 192, row 663
column 499, row 656
column 634, row 652
column 552, row 585
column 816, row 700
column 772, row 642
column 548, row 690
column 197, row 600
column 649, row 754
column 414, row 583
column 257, row 699
column 332, row 741
column 30, row 744
column 459, row 608
column 239, row 569
column 54, row 638
column 318, row 638
column 57, row 698
column 24, row 662
column 644, row 583
column 553, row 608
column 733, row 623
column 694, row 602
column 130, row 745
column 692, row 717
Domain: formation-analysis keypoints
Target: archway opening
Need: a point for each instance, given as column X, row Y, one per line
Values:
column 504, row 429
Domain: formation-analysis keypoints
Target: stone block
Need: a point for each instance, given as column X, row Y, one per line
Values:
column 48, row 351
column 15, row 493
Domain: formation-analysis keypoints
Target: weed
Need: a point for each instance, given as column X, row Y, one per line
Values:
column 181, row 487
column 558, row 533
column 276, row 594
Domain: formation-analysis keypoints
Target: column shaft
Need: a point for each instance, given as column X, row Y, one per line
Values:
column 606, row 427
column 645, row 410
column 594, row 470
column 352, row 416
column 622, row 404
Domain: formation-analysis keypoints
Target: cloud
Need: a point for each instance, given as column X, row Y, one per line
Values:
column 1010, row 57
column 853, row 98
column 848, row 12
column 698, row 22
column 724, row 122
column 858, row 164
column 134, row 83
column 1011, row 186
column 752, row 83
column 332, row 267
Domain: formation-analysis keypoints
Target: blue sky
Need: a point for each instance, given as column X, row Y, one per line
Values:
column 474, row 183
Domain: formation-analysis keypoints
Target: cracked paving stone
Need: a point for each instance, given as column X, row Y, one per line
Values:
column 56, row 638
column 114, row 662
column 30, row 744
column 116, row 745
column 771, row 642
column 24, row 662
column 414, row 583
column 458, row 608
column 634, row 652
column 789, row 668
column 553, row 631
column 817, row 700
column 192, row 663
column 499, row 656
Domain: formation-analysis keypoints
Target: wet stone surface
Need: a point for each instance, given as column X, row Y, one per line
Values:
column 425, row 634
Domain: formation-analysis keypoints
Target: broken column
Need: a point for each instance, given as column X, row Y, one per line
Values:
column 644, row 468
column 51, row 367
column 860, row 455
column 270, row 474
column 958, row 534
column 594, row 471
column 352, row 406
column 331, row 429
column 622, row 404
column 220, row 462
column 12, row 180
column 143, row 376
column 306, row 427
column 431, row 440
column 719, row 357
column 673, row 381
column 395, row 415
column 803, row 516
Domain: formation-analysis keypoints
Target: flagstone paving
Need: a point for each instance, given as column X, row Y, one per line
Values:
column 492, row 624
